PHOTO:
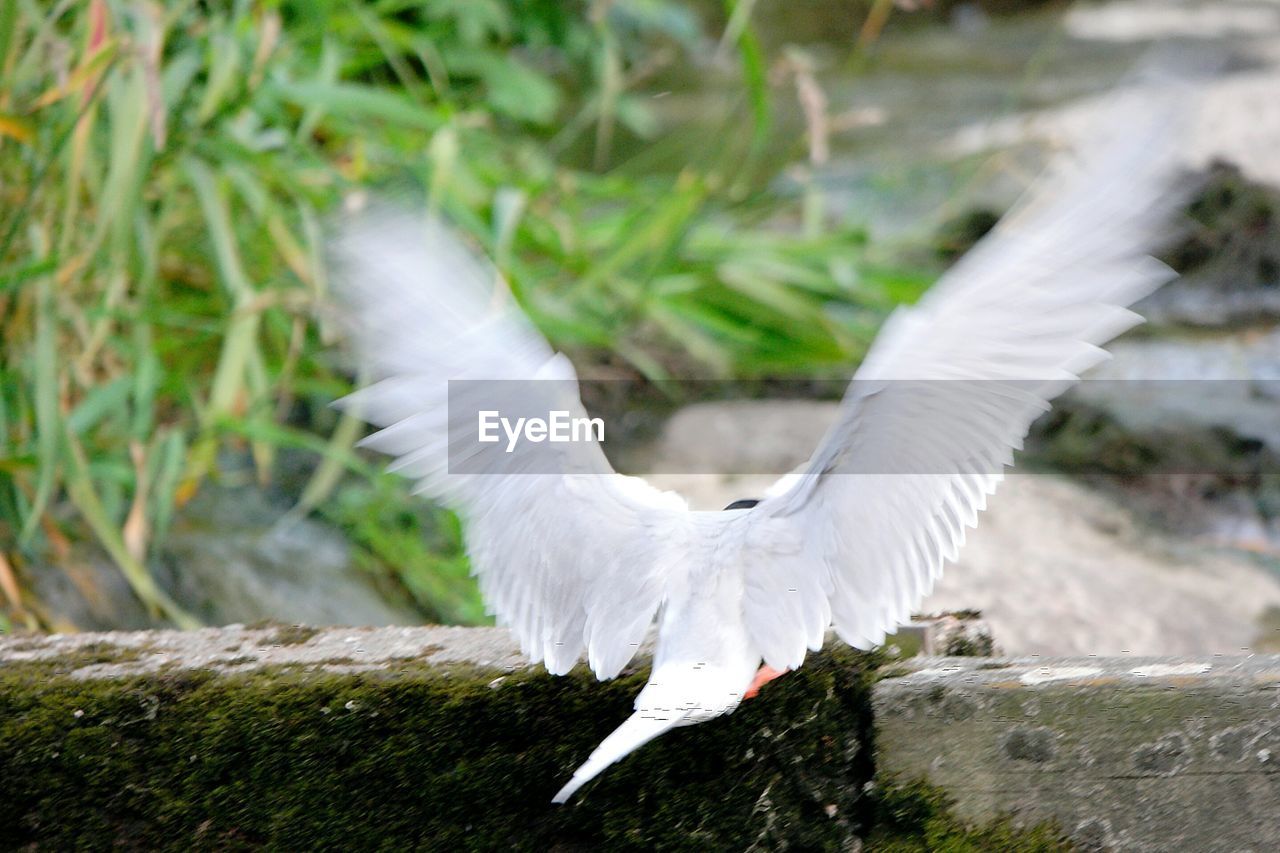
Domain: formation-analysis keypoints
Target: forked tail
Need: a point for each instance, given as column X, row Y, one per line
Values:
column 638, row 729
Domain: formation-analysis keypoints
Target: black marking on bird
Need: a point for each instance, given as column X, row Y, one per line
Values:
column 742, row 503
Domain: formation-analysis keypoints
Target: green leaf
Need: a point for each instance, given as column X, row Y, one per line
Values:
column 48, row 423
column 12, row 279
column 101, row 401
column 513, row 88
column 357, row 102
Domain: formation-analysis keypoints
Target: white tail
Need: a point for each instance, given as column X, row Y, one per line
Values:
column 638, row 729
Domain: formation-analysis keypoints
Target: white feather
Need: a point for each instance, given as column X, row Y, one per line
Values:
column 951, row 387
column 565, row 555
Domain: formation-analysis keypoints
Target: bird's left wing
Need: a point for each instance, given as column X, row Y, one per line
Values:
column 949, row 390
column 569, row 554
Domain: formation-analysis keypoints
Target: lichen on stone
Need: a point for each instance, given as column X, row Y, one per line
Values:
column 917, row 818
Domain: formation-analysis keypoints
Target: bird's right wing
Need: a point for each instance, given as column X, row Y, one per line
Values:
column 949, row 390
column 569, row 555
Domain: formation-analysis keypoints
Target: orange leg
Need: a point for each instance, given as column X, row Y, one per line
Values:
column 763, row 677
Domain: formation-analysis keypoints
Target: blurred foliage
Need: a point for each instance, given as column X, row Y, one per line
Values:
column 165, row 173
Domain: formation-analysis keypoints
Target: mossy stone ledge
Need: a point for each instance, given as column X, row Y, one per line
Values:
column 426, row 738
column 295, row 738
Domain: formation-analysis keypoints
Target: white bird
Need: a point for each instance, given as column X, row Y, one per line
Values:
column 575, row 558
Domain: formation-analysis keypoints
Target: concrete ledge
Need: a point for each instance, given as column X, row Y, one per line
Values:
column 425, row 738
column 240, row 649
column 290, row 737
column 1127, row 754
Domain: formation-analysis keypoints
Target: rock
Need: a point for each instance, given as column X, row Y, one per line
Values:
column 960, row 634
column 291, row 737
column 1057, row 569
column 232, row 556
column 1229, row 381
column 86, row 591
column 235, row 557
column 238, row 649
column 1147, row 20
column 1129, row 754
column 1229, row 261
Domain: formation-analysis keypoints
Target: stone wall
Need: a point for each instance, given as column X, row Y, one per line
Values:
column 443, row 738
column 1129, row 754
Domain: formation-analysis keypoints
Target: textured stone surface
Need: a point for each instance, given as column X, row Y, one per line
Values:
column 1129, row 754
column 239, row 648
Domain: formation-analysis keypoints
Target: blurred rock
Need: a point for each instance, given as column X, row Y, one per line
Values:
column 1058, row 569
column 1229, row 260
column 1193, row 384
column 86, row 591
column 963, row 633
column 233, row 556
column 1147, row 20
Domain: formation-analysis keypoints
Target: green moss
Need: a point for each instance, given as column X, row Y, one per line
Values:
column 294, row 635
column 976, row 645
column 893, row 671
column 917, row 817
column 286, row 635
column 420, row 757
column 94, row 653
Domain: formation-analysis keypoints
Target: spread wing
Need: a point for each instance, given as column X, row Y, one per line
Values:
column 567, row 552
column 950, row 389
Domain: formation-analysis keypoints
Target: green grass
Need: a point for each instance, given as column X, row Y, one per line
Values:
column 166, row 174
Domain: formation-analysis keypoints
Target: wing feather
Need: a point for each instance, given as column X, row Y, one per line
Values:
column 951, row 386
column 568, row 553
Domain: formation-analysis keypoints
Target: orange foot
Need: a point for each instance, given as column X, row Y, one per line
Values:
column 763, row 677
